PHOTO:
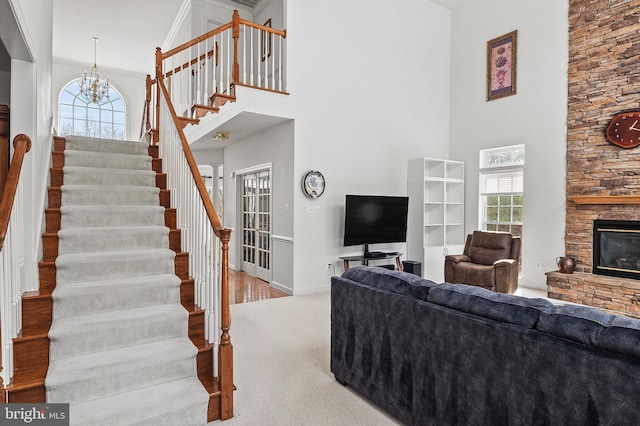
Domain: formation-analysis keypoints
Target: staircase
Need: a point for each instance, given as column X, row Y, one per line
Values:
column 115, row 314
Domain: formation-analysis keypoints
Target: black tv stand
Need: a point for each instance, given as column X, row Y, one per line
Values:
column 374, row 254
column 365, row 260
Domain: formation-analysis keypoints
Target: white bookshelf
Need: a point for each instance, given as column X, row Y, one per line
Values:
column 436, row 213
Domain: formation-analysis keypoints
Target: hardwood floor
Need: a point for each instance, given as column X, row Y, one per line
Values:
column 244, row 288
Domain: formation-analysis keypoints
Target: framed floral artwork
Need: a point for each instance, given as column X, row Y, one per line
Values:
column 502, row 66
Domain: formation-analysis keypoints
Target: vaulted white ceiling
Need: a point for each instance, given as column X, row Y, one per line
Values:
column 452, row 4
column 128, row 31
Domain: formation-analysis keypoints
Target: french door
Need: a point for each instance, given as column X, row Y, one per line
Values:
column 256, row 223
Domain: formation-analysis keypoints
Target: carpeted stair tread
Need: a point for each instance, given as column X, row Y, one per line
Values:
column 86, row 297
column 92, row 239
column 172, row 403
column 106, row 160
column 75, row 175
column 109, row 195
column 86, row 377
column 86, row 334
column 76, row 267
column 99, row 215
column 105, row 145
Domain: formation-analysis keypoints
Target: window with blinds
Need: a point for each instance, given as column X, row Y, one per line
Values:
column 502, row 189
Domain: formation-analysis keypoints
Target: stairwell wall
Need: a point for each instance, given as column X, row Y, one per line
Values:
column 31, row 114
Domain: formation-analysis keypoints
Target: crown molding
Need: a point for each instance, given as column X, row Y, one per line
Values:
column 183, row 13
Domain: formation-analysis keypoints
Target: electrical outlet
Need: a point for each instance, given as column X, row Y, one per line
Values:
column 538, row 265
column 331, row 270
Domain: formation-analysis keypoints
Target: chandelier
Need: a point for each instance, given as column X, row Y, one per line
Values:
column 92, row 89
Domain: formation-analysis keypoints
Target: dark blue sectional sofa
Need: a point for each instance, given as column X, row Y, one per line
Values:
column 452, row 354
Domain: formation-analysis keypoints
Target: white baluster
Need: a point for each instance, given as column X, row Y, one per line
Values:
column 280, row 63
column 251, row 55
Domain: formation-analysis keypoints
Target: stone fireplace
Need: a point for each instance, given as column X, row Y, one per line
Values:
column 603, row 180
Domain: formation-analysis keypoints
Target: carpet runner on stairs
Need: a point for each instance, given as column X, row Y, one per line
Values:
column 119, row 347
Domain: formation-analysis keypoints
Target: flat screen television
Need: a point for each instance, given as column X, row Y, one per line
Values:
column 375, row 219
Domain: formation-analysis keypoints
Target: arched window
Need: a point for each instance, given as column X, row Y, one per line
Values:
column 78, row 117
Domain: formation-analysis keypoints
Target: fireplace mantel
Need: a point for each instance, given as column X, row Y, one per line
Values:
column 605, row 199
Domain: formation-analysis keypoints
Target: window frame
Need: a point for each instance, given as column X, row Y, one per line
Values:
column 513, row 168
column 104, row 120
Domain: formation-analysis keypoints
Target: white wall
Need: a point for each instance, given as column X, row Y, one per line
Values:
column 274, row 145
column 535, row 116
column 205, row 14
column 131, row 86
column 369, row 85
column 31, row 114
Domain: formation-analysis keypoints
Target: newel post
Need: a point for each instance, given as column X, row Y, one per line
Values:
column 236, row 37
column 225, row 349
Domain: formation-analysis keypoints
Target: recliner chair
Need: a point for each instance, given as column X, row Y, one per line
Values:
column 490, row 260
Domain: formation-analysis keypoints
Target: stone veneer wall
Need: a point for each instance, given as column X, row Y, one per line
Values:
column 604, row 79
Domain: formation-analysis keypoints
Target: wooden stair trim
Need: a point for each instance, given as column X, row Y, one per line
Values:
column 56, row 176
column 219, row 99
column 31, row 359
column 38, row 306
column 186, row 120
column 198, row 111
column 31, row 392
column 49, row 246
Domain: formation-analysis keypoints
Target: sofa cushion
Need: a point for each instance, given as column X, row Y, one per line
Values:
column 487, row 247
column 497, row 306
column 574, row 322
column 591, row 326
column 395, row 281
column 622, row 336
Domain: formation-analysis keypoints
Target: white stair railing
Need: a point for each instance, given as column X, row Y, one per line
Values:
column 240, row 52
column 12, row 257
column 202, row 236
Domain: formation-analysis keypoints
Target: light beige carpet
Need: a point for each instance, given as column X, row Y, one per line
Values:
column 281, row 367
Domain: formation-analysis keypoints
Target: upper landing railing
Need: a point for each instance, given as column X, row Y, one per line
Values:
column 239, row 53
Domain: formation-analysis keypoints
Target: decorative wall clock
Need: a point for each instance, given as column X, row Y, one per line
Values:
column 624, row 129
column 313, row 184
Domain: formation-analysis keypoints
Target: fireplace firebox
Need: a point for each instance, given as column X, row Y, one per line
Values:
column 616, row 248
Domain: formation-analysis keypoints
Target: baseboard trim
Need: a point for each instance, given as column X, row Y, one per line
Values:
column 311, row 290
column 281, row 287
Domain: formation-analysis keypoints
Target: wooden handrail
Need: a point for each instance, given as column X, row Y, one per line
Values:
column 196, row 40
column 282, row 33
column 238, row 20
column 21, row 145
column 234, row 24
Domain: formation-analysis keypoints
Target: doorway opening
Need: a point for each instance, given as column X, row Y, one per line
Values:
column 256, row 223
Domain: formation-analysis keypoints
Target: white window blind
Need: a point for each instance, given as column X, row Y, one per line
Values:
column 504, row 182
